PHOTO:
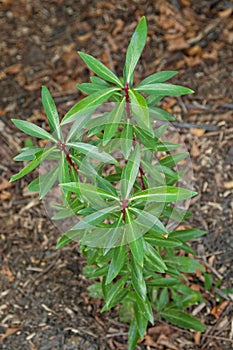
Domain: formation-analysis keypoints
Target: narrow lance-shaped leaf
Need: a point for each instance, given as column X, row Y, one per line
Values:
column 85, row 188
column 164, row 194
column 130, row 173
column 138, row 280
column 182, row 319
column 100, row 69
column 33, row 130
column 92, row 152
column 117, row 262
column 126, row 139
column 114, row 291
column 154, row 256
column 88, row 104
column 187, row 235
column 132, row 232
column 40, row 156
column 164, row 89
column 113, row 121
column 51, row 112
column 47, row 181
column 94, row 219
column 136, row 248
column 77, row 128
column 158, row 77
column 172, row 159
column 134, row 50
column 148, row 220
column 160, row 114
column 27, row 153
column 134, row 335
column 141, row 319
column 140, row 110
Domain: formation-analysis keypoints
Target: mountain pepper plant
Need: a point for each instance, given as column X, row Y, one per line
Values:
column 118, row 179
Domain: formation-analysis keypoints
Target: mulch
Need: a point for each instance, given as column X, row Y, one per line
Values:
column 44, row 299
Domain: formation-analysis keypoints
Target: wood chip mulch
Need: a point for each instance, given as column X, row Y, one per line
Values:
column 44, row 304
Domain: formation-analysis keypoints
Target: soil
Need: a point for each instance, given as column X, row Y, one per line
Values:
column 44, row 299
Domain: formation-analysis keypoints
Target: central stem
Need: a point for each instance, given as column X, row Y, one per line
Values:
column 62, row 147
column 124, row 206
column 127, row 100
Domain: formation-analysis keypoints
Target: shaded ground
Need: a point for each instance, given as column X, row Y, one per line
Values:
column 44, row 303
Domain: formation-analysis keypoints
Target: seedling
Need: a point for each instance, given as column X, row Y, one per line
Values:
column 118, row 178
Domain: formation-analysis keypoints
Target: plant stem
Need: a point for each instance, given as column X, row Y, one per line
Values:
column 127, row 100
column 62, row 147
column 141, row 177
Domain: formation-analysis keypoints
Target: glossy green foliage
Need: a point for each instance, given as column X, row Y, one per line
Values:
column 119, row 177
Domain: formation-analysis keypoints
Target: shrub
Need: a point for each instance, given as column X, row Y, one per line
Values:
column 119, row 179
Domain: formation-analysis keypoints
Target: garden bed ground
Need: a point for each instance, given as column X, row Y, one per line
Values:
column 44, row 302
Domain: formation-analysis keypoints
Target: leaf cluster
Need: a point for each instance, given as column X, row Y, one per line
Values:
column 121, row 215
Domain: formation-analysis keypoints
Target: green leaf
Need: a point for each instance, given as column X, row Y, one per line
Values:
column 33, row 130
column 153, row 100
column 136, row 248
column 63, row 241
column 95, row 290
column 130, row 173
column 97, row 80
column 145, row 138
column 90, row 88
column 164, row 194
column 87, row 190
column 27, row 153
column 160, row 131
column 51, row 112
column 132, row 230
column 185, row 264
column 39, row 157
column 158, row 77
column 63, row 213
column 113, row 121
column 164, row 89
column 77, row 128
column 173, row 159
column 92, row 152
column 161, row 241
column 92, row 272
column 133, row 335
column 159, row 114
column 138, row 281
column 141, row 319
column 117, row 262
column 152, row 173
column 145, row 307
column 163, row 299
column 163, row 282
column 155, row 258
column 94, row 219
column 140, row 110
column 134, row 50
column 181, row 319
column 47, row 181
column 187, row 234
column 127, row 139
column 100, row 69
column 114, row 292
column 208, row 280
column 148, row 220
column 88, row 104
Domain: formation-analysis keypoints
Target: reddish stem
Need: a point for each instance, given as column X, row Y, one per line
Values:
column 124, row 206
column 62, row 147
column 141, row 176
column 127, row 100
